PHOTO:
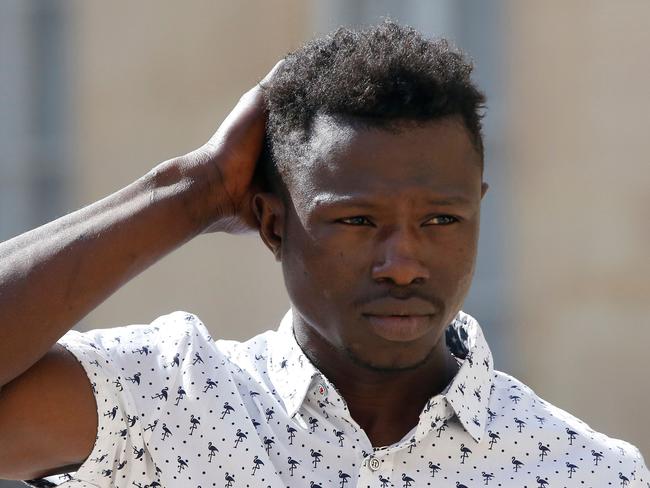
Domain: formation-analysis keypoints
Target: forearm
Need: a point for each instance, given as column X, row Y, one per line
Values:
column 53, row 276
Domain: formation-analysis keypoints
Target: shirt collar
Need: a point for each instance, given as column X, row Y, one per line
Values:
column 290, row 371
column 469, row 392
column 293, row 374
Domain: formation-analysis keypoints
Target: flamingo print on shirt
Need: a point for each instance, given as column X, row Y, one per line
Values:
column 178, row 409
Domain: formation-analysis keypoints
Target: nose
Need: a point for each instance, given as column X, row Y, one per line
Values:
column 399, row 259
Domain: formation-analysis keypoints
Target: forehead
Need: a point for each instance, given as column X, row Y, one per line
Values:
column 430, row 159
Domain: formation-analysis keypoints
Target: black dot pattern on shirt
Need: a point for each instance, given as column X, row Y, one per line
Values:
column 178, row 409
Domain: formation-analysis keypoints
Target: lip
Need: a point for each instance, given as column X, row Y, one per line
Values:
column 399, row 328
column 412, row 307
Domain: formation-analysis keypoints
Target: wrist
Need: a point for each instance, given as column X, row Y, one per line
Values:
column 194, row 182
column 172, row 181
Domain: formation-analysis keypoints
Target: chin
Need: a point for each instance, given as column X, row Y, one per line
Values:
column 404, row 361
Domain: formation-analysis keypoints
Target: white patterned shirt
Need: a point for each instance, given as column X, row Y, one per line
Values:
column 178, row 409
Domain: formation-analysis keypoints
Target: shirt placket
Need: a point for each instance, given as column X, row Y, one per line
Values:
column 376, row 469
column 380, row 468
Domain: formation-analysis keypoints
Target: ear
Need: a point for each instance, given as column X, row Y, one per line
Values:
column 484, row 189
column 270, row 211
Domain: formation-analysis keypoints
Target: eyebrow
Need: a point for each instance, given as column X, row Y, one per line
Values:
column 450, row 200
column 336, row 201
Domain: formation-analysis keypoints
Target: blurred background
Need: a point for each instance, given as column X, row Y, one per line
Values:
column 93, row 95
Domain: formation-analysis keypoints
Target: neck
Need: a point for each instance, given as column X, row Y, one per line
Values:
column 385, row 403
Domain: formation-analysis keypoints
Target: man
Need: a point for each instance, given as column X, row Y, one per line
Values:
column 368, row 192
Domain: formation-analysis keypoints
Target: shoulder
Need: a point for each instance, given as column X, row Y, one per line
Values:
column 164, row 331
column 515, row 407
column 141, row 358
column 252, row 356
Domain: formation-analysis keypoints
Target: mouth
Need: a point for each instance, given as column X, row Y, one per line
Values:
column 399, row 327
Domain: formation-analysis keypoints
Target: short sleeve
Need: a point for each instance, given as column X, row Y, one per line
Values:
column 129, row 368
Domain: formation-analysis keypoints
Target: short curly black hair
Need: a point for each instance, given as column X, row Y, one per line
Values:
column 378, row 76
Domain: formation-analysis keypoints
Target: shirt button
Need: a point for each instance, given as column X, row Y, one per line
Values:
column 373, row 463
column 322, row 389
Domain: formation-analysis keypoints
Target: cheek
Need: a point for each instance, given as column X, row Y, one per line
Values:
column 315, row 271
column 316, row 268
column 460, row 268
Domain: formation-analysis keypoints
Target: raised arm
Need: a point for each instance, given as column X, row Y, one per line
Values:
column 53, row 276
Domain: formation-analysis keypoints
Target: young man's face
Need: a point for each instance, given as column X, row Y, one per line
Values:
column 380, row 237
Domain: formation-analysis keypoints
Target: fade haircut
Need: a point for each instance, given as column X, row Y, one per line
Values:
column 380, row 77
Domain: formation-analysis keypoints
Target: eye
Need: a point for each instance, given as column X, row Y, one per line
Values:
column 358, row 220
column 443, row 220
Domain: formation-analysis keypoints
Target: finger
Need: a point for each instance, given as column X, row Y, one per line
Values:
column 271, row 73
column 256, row 91
column 248, row 110
column 254, row 95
